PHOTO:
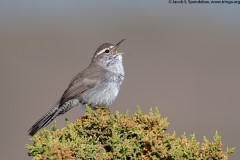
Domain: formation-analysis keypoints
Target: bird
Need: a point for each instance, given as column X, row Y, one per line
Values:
column 96, row 86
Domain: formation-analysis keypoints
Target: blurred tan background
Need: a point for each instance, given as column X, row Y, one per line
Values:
column 182, row 58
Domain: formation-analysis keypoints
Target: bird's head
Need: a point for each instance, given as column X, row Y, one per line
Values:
column 107, row 54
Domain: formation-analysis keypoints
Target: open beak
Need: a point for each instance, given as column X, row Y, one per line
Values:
column 115, row 48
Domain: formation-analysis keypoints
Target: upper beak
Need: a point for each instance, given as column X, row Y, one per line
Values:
column 115, row 48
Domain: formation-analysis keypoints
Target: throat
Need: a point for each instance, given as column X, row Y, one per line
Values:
column 116, row 68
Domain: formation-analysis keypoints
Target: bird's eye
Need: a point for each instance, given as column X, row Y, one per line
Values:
column 107, row 51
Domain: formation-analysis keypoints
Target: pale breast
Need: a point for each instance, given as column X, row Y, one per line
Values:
column 105, row 93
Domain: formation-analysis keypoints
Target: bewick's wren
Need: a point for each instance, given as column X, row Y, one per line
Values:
column 97, row 86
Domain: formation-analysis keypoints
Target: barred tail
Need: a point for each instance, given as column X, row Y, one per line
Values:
column 45, row 120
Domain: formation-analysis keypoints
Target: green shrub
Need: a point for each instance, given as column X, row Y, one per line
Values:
column 99, row 135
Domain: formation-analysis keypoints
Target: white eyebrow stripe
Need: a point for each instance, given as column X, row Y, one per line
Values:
column 103, row 50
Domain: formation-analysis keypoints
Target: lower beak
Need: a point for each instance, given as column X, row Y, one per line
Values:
column 115, row 48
